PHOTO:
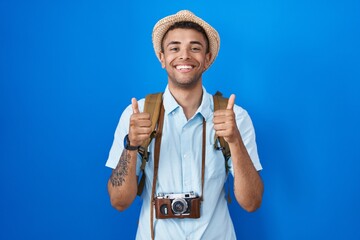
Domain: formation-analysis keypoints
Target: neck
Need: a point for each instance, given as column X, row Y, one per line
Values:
column 188, row 99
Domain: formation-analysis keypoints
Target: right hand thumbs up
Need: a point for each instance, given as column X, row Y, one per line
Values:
column 135, row 105
column 140, row 125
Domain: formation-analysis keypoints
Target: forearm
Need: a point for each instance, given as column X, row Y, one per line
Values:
column 122, row 185
column 248, row 186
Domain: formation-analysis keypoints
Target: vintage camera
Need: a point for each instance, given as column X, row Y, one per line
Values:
column 177, row 205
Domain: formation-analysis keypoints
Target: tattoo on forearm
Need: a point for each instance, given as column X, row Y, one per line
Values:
column 121, row 171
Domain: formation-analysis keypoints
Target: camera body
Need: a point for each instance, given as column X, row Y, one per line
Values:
column 177, row 205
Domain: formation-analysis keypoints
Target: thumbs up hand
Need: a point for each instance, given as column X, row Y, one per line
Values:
column 225, row 122
column 140, row 125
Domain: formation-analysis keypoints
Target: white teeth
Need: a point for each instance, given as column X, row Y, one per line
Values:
column 183, row 67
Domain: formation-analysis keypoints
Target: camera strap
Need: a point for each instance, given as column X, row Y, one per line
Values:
column 158, row 137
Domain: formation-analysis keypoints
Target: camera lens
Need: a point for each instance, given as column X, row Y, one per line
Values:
column 179, row 206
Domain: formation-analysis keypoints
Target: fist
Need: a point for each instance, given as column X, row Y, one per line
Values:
column 140, row 125
column 225, row 123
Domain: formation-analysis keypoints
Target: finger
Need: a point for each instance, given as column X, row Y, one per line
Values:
column 220, row 127
column 231, row 102
column 221, row 113
column 222, row 133
column 140, row 123
column 145, row 131
column 135, row 105
column 221, row 118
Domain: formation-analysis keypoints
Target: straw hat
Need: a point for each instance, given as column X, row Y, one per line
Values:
column 164, row 24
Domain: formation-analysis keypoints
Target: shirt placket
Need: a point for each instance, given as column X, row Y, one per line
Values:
column 186, row 143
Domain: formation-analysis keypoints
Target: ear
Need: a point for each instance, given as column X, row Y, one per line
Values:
column 162, row 59
column 207, row 60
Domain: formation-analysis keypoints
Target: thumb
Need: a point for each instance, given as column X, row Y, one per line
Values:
column 231, row 102
column 135, row 105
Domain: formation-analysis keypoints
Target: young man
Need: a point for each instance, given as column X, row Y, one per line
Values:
column 186, row 47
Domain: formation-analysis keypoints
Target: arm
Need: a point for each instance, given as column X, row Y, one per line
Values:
column 122, row 185
column 248, row 186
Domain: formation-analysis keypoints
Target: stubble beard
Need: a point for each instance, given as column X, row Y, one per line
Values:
column 187, row 83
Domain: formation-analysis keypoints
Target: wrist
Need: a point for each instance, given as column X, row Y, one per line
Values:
column 127, row 144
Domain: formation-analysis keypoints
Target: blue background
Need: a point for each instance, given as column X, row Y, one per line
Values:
column 68, row 68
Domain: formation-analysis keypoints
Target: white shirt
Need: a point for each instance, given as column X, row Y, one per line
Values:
column 180, row 169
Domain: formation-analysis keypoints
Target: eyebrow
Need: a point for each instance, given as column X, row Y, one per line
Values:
column 196, row 42
column 177, row 42
column 173, row 42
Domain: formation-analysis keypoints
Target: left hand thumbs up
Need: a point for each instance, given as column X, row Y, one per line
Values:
column 225, row 122
column 231, row 102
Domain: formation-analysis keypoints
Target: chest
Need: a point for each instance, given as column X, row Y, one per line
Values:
column 180, row 162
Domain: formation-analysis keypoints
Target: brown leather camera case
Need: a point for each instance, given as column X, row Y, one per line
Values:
column 194, row 209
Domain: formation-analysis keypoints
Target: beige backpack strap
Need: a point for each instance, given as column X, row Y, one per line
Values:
column 152, row 106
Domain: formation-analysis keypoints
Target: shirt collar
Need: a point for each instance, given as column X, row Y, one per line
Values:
column 170, row 103
column 205, row 108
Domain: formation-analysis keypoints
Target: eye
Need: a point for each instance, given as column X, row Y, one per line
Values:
column 196, row 49
column 174, row 49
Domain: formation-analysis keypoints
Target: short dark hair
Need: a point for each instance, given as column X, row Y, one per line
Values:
column 187, row 25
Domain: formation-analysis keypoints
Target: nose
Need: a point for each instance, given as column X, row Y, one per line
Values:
column 184, row 54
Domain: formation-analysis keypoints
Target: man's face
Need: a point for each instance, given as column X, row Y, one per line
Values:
column 184, row 57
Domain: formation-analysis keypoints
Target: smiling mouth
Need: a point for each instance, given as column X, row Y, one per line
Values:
column 184, row 68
